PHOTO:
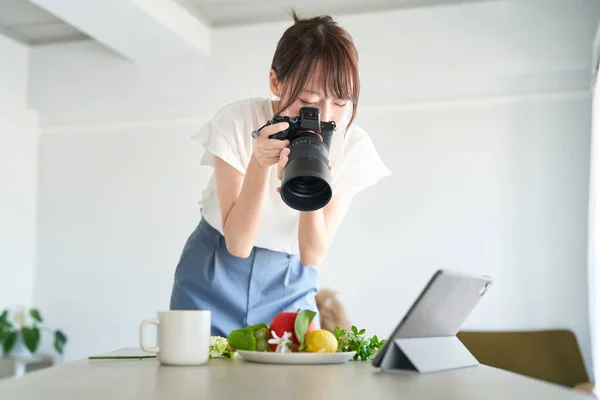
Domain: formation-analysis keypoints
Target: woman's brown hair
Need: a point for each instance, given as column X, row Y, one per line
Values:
column 314, row 43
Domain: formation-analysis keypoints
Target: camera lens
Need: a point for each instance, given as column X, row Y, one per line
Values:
column 307, row 186
column 306, row 178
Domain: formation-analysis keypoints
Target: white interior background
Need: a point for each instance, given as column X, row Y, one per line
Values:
column 18, row 177
column 481, row 112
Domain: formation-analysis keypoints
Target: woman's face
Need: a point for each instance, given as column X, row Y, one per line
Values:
column 332, row 109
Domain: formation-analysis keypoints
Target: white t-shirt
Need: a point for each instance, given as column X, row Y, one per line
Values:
column 353, row 159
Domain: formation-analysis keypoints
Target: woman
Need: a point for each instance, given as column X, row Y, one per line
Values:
column 251, row 255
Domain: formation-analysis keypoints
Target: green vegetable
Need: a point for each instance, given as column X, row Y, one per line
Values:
column 245, row 338
column 219, row 347
column 261, row 345
column 229, row 352
column 258, row 327
column 365, row 347
column 242, row 339
column 261, row 333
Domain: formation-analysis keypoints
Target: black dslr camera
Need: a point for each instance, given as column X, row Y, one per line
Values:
column 306, row 179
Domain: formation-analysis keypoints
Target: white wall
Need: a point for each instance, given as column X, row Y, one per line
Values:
column 481, row 112
column 18, row 178
column 14, row 73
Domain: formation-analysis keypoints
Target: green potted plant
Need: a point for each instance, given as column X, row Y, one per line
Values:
column 17, row 330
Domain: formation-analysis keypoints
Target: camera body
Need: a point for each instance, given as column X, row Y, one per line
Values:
column 306, row 178
column 307, row 121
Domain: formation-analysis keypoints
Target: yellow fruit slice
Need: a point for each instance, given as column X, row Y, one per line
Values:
column 321, row 341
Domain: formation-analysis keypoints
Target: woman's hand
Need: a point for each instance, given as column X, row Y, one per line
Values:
column 268, row 151
column 284, row 157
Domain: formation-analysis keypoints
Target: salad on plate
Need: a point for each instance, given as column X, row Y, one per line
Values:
column 296, row 333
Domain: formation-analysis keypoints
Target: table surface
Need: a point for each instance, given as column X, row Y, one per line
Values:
column 238, row 379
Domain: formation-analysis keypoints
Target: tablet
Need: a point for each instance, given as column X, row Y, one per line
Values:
column 441, row 309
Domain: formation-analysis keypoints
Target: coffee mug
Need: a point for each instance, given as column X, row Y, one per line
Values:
column 183, row 337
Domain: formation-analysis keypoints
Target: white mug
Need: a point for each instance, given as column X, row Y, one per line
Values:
column 183, row 337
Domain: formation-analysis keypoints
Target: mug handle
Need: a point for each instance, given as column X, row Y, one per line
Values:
column 142, row 326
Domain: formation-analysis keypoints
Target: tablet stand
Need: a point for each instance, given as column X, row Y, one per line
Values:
column 427, row 354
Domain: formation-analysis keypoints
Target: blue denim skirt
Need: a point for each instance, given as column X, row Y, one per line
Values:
column 239, row 291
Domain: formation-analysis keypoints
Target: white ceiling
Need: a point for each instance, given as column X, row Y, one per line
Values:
column 218, row 13
column 29, row 24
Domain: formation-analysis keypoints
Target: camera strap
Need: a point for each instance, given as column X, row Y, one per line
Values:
column 256, row 133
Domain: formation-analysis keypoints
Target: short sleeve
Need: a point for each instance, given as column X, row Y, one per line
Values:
column 221, row 137
column 360, row 165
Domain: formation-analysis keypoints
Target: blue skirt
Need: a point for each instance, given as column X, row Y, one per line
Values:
column 239, row 291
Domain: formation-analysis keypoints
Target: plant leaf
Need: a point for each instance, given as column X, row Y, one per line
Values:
column 4, row 317
column 59, row 341
column 5, row 326
column 301, row 324
column 31, row 337
column 242, row 339
column 35, row 314
column 9, row 342
column 4, row 331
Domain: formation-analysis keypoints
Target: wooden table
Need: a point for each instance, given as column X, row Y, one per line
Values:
column 239, row 380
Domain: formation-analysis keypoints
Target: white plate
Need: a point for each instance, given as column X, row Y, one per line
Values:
column 296, row 358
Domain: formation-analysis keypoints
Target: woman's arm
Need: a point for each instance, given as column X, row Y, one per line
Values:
column 241, row 199
column 317, row 228
column 241, row 196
